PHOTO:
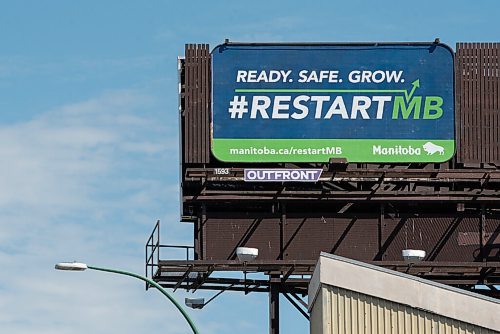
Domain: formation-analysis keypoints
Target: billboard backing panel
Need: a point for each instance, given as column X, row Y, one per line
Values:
column 310, row 103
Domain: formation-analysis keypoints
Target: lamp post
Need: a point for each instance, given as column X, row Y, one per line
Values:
column 76, row 266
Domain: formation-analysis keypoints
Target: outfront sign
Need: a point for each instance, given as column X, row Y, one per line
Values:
column 282, row 175
column 309, row 103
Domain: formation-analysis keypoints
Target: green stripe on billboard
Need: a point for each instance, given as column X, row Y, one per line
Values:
column 322, row 150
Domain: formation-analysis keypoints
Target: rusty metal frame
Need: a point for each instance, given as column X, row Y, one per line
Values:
column 462, row 274
column 293, row 275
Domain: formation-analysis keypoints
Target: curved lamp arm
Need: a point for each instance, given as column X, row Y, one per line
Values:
column 83, row 266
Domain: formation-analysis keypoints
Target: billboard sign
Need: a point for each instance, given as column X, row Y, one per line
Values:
column 387, row 103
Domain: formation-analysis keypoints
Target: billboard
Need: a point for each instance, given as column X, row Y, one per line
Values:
column 387, row 103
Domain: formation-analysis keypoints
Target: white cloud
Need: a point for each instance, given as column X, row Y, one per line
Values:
column 53, row 160
column 84, row 181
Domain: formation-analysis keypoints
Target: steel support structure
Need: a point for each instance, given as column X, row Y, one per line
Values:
column 274, row 304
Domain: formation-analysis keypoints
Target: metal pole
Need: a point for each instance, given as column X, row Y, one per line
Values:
column 156, row 285
column 482, row 233
column 274, row 306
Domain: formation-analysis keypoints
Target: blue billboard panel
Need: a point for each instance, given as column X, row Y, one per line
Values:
column 309, row 103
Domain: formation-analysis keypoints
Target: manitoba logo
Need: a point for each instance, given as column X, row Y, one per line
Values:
column 431, row 148
column 396, row 150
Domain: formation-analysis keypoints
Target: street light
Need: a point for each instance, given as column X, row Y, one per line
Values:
column 195, row 303
column 77, row 266
column 247, row 254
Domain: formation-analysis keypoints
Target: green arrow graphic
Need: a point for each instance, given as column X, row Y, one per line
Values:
column 279, row 90
column 416, row 84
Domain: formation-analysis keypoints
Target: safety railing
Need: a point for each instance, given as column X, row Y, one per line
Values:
column 153, row 248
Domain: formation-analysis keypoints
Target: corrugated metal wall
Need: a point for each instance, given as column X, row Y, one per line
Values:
column 300, row 238
column 340, row 311
column 442, row 238
column 224, row 235
column 197, row 104
column 361, row 237
column 478, row 97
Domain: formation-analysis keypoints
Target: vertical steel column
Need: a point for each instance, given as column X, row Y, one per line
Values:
column 482, row 232
column 274, row 304
column 203, row 234
column 197, row 238
column 282, row 232
column 199, row 246
column 381, row 232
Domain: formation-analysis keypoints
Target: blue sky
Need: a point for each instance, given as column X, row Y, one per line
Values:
column 88, row 143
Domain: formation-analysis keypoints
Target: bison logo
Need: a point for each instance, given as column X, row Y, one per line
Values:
column 431, row 148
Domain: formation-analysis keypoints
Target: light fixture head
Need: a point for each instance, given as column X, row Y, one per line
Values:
column 73, row 266
column 246, row 254
column 413, row 255
column 195, row 303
